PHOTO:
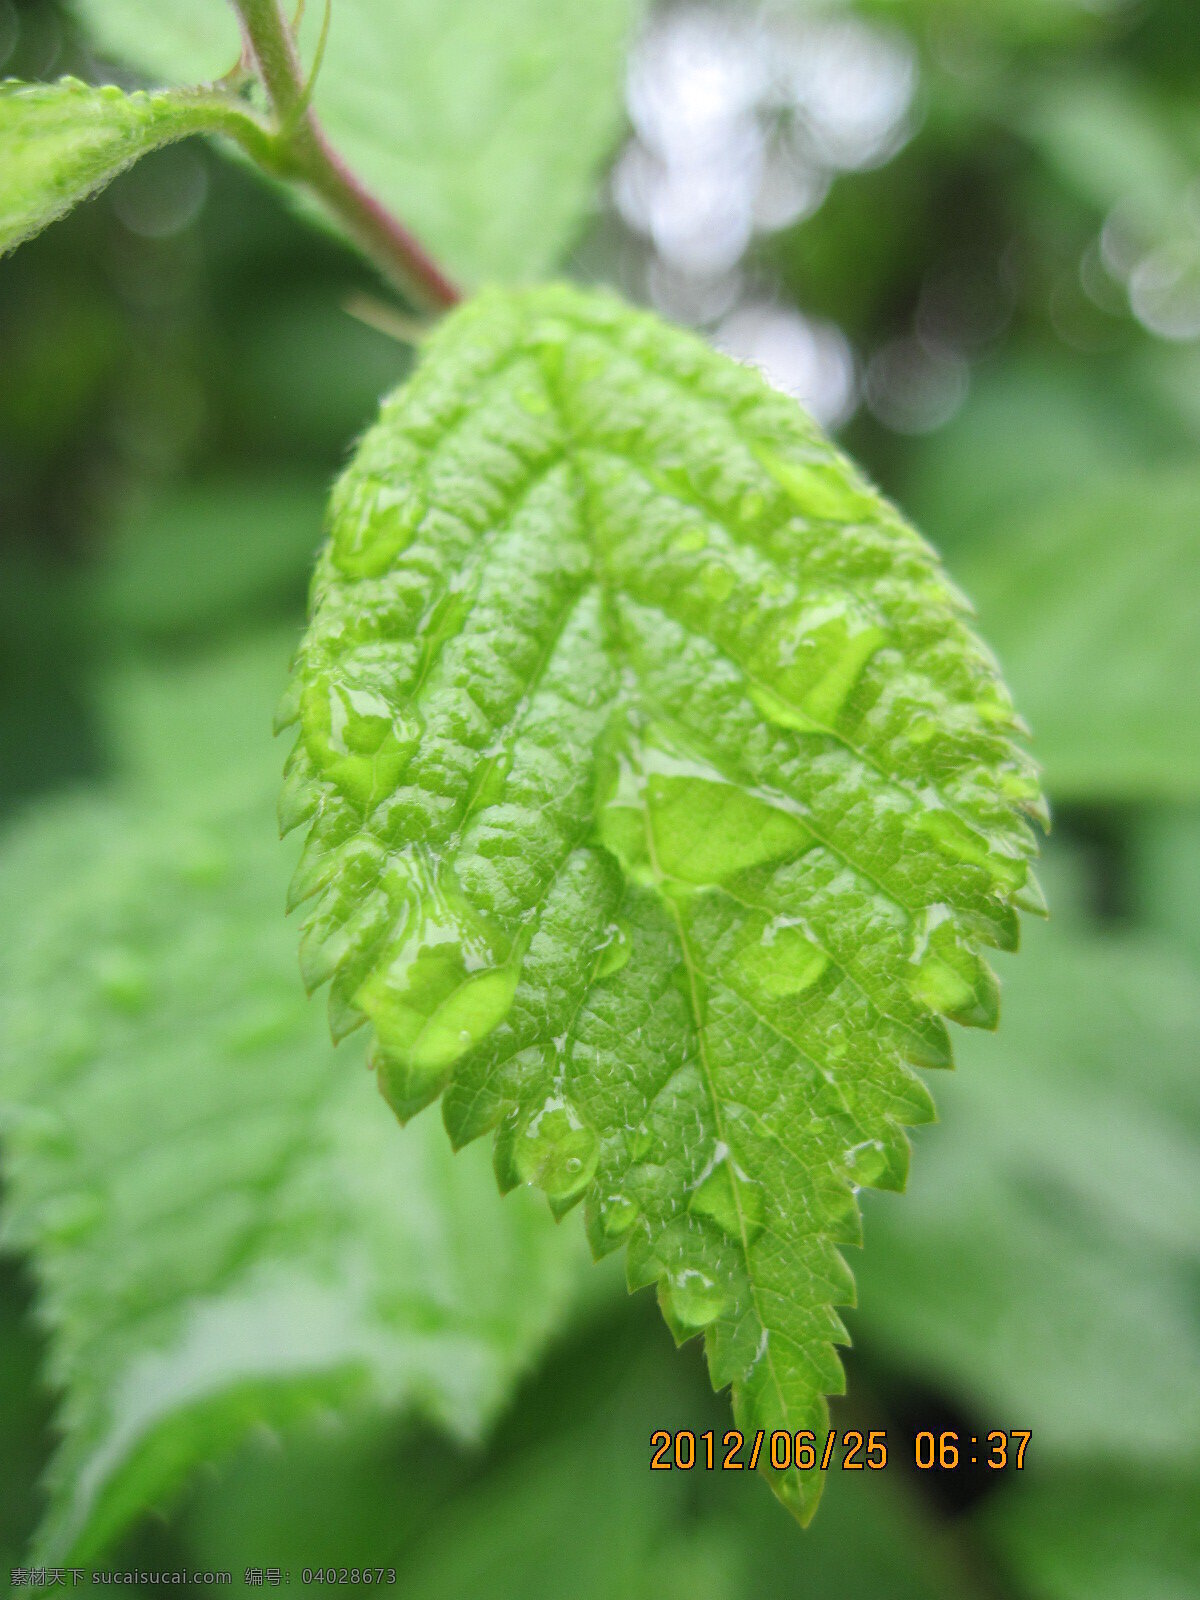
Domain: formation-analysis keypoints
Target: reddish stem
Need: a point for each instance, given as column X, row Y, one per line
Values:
column 303, row 151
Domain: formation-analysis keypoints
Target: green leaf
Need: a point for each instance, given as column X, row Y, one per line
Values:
column 661, row 798
column 63, row 141
column 226, row 1227
column 1091, row 605
column 454, row 116
column 1042, row 1266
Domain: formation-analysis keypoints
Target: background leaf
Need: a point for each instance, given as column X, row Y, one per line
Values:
column 25, row 1407
column 563, row 1500
column 1104, row 665
column 1041, row 1264
column 203, row 557
column 1034, row 432
column 1066, row 1539
column 226, row 1226
column 63, row 141
column 453, row 114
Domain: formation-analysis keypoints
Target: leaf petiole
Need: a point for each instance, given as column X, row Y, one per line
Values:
column 299, row 150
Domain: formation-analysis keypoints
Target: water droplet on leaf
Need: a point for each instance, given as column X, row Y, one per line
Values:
column 556, row 1150
column 617, row 1215
column 640, row 1141
column 372, row 524
column 730, row 1199
column 691, row 1300
column 615, row 952
column 718, row 580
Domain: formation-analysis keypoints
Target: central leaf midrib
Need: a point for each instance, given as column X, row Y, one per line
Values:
column 715, row 1103
column 604, row 578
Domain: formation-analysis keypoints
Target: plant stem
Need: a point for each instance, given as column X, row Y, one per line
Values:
column 301, row 151
column 212, row 110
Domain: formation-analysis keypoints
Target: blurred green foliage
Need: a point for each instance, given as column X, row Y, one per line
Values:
column 181, row 378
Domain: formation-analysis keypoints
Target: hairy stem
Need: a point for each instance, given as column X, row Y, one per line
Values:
column 303, row 153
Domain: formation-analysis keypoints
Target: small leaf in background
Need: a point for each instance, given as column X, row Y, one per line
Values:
column 454, row 115
column 1042, row 1265
column 661, row 799
column 60, row 142
column 225, row 1225
column 1091, row 606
